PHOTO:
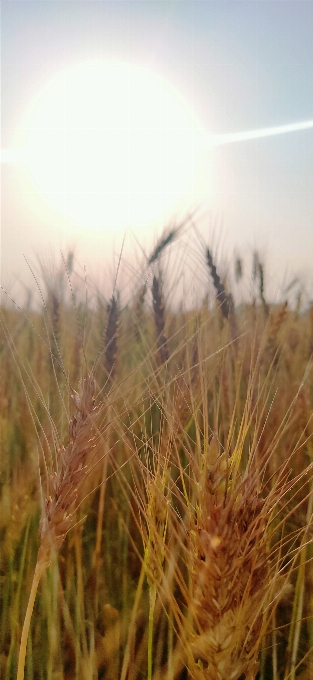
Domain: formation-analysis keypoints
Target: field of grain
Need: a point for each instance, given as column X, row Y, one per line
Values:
column 156, row 480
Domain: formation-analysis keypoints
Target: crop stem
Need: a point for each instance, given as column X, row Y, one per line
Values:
column 40, row 569
column 152, row 598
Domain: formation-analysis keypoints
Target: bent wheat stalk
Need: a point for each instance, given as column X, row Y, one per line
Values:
column 62, row 493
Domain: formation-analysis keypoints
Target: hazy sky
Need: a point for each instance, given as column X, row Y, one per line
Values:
column 239, row 65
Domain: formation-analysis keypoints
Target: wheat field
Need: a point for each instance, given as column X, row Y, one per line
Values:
column 156, row 478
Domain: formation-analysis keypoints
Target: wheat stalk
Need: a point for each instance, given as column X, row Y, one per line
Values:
column 58, row 511
column 157, row 518
column 231, row 568
column 110, row 361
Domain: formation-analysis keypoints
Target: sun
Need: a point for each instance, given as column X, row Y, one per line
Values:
column 111, row 144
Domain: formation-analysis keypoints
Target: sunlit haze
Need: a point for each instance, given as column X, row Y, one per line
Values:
column 110, row 145
column 120, row 118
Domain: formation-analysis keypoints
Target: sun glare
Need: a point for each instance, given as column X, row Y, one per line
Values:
column 111, row 144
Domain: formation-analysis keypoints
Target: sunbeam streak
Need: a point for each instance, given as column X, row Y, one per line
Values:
column 19, row 155
column 229, row 138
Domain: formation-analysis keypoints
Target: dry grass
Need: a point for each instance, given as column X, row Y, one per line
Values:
column 180, row 506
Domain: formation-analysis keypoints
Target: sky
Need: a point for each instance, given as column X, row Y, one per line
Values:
column 235, row 65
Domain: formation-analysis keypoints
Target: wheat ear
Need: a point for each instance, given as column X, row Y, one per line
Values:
column 231, row 569
column 62, row 493
column 261, row 288
column 224, row 299
column 111, row 334
column 159, row 320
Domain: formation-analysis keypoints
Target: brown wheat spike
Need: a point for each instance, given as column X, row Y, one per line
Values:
column 238, row 269
column 224, row 299
column 165, row 241
column 55, row 307
column 159, row 320
column 138, row 310
column 111, row 333
column 230, row 569
column 63, row 484
column 261, row 288
column 62, row 493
